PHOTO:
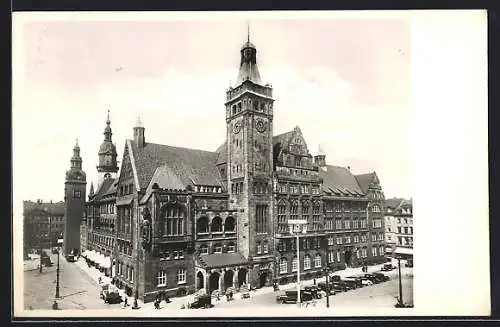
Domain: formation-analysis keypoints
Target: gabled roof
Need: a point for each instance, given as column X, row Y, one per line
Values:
column 364, row 180
column 339, row 180
column 103, row 189
column 393, row 203
column 189, row 165
column 221, row 260
column 406, row 203
column 222, row 153
column 55, row 208
column 282, row 138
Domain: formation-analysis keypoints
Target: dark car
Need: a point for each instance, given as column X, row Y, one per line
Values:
column 315, row 291
column 291, row 297
column 70, row 258
column 358, row 280
column 381, row 276
column 409, row 263
column 55, row 251
column 349, row 282
column 47, row 262
column 388, row 267
column 202, row 301
column 331, row 290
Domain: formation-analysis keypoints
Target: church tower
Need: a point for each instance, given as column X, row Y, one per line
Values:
column 74, row 198
column 108, row 166
column 249, row 123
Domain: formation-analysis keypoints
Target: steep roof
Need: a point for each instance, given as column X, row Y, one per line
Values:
column 393, row 203
column 104, row 188
column 190, row 166
column 222, row 153
column 339, row 180
column 55, row 208
column 364, row 180
column 282, row 138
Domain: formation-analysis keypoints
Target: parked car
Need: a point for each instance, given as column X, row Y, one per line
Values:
column 375, row 279
column 331, row 289
column 110, row 294
column 342, row 286
column 359, row 282
column 202, row 301
column 55, row 251
column 315, row 291
column 381, row 276
column 409, row 263
column 47, row 262
column 365, row 281
column 388, row 267
column 291, row 297
column 350, row 282
column 70, row 258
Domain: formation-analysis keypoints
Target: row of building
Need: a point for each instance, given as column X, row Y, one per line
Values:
column 175, row 220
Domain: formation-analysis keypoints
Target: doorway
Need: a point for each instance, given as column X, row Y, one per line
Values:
column 214, row 282
column 264, row 279
column 242, row 276
column 348, row 257
column 201, row 280
column 228, row 279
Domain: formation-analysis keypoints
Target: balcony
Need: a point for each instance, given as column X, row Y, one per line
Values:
column 215, row 235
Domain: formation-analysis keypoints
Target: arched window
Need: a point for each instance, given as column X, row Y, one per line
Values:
column 317, row 261
column 294, row 209
column 229, row 224
column 174, row 220
column 202, row 225
column 307, row 262
column 216, row 225
column 283, row 265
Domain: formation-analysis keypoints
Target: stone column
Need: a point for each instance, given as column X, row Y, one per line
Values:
column 221, row 282
column 235, row 278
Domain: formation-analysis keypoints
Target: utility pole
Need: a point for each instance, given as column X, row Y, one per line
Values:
column 57, row 275
column 40, row 245
column 327, row 287
column 400, row 286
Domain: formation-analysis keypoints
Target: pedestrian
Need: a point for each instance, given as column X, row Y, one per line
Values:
column 99, row 280
column 125, row 303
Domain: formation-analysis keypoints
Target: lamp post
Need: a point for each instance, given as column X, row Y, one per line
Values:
column 400, row 286
column 327, row 271
column 57, row 274
column 298, row 226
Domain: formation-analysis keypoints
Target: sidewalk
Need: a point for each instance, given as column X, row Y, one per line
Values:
column 177, row 302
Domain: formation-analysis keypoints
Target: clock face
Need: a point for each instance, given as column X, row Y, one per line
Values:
column 236, row 127
column 260, row 125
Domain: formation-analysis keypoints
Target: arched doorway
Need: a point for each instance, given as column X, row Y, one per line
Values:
column 201, row 280
column 213, row 282
column 264, row 279
column 348, row 257
column 228, row 279
column 242, row 276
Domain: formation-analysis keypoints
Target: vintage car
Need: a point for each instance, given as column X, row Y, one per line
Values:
column 201, row 302
column 364, row 280
column 55, row 251
column 388, row 267
column 409, row 263
column 356, row 280
column 381, row 276
column 70, row 258
column 47, row 262
column 316, row 292
column 291, row 297
column 110, row 294
column 331, row 288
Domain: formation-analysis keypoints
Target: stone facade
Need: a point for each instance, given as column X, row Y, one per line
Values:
column 190, row 220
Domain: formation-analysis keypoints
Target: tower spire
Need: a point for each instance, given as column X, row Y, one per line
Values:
column 108, row 121
column 248, row 32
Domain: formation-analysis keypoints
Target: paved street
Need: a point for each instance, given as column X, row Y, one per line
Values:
column 378, row 295
column 77, row 289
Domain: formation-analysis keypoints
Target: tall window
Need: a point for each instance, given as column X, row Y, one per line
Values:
column 282, row 223
column 338, row 256
column 381, row 250
column 294, row 209
column 374, row 237
column 338, row 224
column 261, row 218
column 181, row 276
column 294, row 264
column 347, row 224
column 259, row 248
column 374, row 251
column 266, row 247
column 161, row 278
column 317, row 261
column 305, row 211
column 316, row 215
column 307, row 262
column 331, row 256
column 330, row 240
column 339, row 240
column 363, row 223
column 174, row 220
column 283, row 266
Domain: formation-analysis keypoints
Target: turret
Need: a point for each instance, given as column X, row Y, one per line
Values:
column 139, row 138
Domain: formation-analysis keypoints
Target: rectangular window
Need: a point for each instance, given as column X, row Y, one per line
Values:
column 283, row 266
column 77, row 194
column 330, row 241
column 181, row 276
column 339, row 240
column 294, row 264
column 363, row 223
column 317, row 261
column 338, row 224
column 259, row 248
column 315, row 190
column 374, row 237
column 374, row 251
column 218, row 248
column 261, row 218
column 347, row 224
column 131, row 274
column 338, row 256
column 266, row 247
column 347, row 239
column 307, row 262
column 356, row 239
column 231, row 248
column 331, row 256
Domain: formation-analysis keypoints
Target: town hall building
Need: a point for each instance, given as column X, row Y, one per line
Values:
column 177, row 220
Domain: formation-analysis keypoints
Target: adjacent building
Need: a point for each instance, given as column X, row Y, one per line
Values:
column 43, row 224
column 398, row 225
column 176, row 220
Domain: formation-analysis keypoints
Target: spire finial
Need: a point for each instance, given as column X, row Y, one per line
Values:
column 77, row 141
column 248, row 31
column 108, row 121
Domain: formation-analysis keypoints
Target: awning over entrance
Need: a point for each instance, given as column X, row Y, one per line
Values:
column 221, row 260
column 404, row 251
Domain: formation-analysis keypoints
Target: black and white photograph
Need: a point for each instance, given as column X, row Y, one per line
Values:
column 205, row 164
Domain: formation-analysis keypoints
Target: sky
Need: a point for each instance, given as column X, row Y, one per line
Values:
column 344, row 81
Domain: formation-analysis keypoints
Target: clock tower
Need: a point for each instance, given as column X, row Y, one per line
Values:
column 249, row 122
column 74, row 198
column 108, row 165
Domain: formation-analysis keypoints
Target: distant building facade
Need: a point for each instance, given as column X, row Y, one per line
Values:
column 43, row 224
column 177, row 220
column 398, row 224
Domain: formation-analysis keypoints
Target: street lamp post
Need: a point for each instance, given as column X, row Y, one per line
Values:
column 298, row 226
column 327, row 271
column 57, row 275
column 400, row 286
